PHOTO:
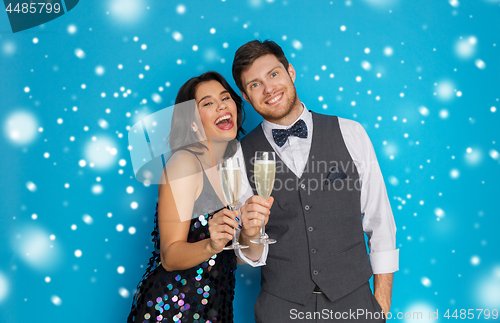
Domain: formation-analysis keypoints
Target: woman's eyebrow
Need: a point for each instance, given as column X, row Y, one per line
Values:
column 205, row 97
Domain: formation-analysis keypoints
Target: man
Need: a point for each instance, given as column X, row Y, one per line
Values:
column 319, row 268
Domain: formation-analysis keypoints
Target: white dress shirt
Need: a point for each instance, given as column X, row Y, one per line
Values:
column 378, row 221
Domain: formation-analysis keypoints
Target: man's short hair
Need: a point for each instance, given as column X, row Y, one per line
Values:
column 249, row 52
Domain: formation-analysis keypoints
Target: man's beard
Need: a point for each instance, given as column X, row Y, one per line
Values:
column 291, row 100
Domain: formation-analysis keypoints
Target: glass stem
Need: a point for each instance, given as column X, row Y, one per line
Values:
column 262, row 229
column 235, row 241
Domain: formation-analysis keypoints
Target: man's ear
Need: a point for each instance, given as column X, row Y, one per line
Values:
column 291, row 72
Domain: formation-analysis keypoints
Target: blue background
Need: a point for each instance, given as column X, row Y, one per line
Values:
column 427, row 98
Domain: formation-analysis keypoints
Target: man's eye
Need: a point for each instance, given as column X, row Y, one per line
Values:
column 274, row 74
column 254, row 85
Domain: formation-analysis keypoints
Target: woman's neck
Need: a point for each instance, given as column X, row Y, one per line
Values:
column 215, row 153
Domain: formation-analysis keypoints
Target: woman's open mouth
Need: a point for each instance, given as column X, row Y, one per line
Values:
column 224, row 122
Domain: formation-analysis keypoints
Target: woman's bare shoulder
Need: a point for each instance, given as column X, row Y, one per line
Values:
column 182, row 164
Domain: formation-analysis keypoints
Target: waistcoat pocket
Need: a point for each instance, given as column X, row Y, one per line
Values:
column 350, row 247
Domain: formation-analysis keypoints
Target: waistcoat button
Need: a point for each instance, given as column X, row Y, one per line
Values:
column 306, row 207
column 313, row 250
column 310, row 229
column 315, row 272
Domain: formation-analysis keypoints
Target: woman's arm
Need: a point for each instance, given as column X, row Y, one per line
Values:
column 175, row 207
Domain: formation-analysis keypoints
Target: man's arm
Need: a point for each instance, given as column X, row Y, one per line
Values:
column 254, row 251
column 256, row 254
column 378, row 220
column 382, row 289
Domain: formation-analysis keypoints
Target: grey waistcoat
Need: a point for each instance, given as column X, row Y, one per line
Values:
column 316, row 219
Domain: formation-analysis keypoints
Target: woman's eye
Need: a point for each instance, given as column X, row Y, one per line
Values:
column 207, row 104
column 226, row 98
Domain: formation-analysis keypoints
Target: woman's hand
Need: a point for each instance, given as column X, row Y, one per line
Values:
column 221, row 227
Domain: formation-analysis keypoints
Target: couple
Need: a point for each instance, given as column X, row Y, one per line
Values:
column 319, row 269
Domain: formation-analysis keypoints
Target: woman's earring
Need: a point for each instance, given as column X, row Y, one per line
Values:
column 194, row 128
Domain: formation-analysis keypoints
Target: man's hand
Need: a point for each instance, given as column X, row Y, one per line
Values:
column 253, row 212
column 382, row 289
column 255, row 209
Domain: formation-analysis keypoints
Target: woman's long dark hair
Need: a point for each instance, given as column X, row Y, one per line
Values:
column 181, row 135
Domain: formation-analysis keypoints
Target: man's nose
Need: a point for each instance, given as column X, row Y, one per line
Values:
column 269, row 87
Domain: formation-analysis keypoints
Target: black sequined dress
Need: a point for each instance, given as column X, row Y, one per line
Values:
column 202, row 294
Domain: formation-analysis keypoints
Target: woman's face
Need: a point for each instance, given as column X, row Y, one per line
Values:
column 217, row 110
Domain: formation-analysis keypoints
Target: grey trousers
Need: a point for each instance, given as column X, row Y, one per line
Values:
column 360, row 306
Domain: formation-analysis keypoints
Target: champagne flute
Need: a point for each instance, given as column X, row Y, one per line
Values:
column 230, row 177
column 264, row 173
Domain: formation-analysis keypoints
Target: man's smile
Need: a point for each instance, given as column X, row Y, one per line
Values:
column 275, row 99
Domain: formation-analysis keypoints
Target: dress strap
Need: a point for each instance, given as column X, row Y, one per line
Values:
column 203, row 169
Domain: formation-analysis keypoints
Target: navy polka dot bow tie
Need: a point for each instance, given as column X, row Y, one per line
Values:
column 299, row 129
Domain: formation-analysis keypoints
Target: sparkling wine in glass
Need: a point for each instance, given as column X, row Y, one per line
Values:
column 230, row 177
column 264, row 173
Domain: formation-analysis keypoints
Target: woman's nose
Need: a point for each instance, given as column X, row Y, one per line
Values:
column 222, row 106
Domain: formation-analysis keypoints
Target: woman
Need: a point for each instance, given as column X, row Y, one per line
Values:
column 190, row 278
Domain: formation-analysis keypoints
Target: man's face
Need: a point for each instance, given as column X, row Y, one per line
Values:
column 270, row 90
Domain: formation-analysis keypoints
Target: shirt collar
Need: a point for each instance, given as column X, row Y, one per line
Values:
column 269, row 126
